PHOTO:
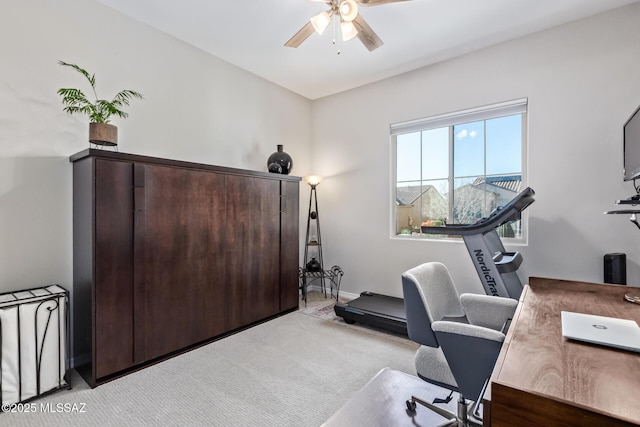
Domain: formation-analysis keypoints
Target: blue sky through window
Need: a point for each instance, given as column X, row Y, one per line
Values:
column 491, row 147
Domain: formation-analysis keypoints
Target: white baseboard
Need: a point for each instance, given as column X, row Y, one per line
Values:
column 343, row 295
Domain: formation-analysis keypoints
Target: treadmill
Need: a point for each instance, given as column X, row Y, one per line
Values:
column 380, row 311
column 495, row 266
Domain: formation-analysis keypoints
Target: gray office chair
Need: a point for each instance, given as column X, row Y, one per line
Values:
column 460, row 337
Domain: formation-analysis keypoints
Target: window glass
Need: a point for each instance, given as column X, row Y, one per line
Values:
column 468, row 149
column 458, row 171
column 408, row 157
column 504, row 145
column 421, row 203
column 469, row 201
column 435, row 153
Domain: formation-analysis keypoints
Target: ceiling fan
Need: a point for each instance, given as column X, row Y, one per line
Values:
column 351, row 23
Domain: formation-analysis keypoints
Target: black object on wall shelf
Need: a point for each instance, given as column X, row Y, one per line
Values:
column 615, row 268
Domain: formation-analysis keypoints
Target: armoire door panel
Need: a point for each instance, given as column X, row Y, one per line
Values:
column 183, row 258
column 289, row 251
column 114, row 341
column 139, row 289
column 253, row 249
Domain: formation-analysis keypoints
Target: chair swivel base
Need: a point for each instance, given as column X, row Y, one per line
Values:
column 461, row 419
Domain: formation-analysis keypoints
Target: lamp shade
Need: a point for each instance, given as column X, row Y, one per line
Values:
column 349, row 30
column 348, row 10
column 313, row 180
column 321, row 21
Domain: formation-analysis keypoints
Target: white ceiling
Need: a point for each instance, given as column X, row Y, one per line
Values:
column 251, row 34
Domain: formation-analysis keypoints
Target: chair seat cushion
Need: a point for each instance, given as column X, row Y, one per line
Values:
column 432, row 366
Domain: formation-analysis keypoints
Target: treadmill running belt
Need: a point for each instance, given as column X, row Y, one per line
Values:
column 380, row 304
column 381, row 311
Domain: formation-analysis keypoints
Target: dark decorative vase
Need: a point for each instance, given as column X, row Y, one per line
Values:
column 280, row 162
column 314, row 265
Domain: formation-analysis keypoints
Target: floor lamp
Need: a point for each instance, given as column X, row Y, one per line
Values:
column 315, row 242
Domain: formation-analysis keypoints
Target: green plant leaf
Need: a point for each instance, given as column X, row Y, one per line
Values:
column 125, row 96
column 101, row 110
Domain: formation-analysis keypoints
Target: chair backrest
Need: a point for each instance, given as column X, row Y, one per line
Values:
column 429, row 295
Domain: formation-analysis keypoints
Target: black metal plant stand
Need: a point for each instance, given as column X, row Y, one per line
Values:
column 313, row 244
column 313, row 267
column 334, row 275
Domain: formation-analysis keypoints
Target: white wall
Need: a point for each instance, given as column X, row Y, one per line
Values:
column 197, row 108
column 582, row 81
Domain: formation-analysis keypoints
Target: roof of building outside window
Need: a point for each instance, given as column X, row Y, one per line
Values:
column 406, row 196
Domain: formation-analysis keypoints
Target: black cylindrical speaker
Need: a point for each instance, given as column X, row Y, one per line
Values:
column 615, row 268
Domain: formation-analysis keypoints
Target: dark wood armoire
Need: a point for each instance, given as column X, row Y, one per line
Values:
column 168, row 255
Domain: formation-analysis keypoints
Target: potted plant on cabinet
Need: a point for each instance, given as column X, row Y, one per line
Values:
column 99, row 111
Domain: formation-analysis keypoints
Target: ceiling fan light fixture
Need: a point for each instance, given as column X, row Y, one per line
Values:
column 349, row 30
column 352, row 24
column 321, row 21
column 348, row 10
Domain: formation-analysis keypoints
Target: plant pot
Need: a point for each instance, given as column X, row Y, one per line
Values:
column 103, row 134
column 314, row 265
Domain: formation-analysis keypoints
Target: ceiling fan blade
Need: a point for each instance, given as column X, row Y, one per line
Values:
column 300, row 36
column 367, row 36
column 377, row 2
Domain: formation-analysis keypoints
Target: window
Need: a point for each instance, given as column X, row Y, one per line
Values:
column 457, row 168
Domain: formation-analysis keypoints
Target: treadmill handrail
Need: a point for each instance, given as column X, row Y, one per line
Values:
column 511, row 211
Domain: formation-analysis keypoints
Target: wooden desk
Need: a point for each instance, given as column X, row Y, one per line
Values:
column 542, row 379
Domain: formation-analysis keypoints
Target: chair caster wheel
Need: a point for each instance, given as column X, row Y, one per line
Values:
column 411, row 406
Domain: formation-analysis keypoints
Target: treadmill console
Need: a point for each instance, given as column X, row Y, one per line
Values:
column 495, row 266
column 509, row 212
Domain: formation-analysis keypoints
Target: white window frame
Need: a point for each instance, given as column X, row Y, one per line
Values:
column 517, row 106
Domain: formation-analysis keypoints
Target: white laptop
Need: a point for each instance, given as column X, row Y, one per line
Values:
column 608, row 331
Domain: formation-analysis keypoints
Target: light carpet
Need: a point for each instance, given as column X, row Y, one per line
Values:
column 295, row 370
column 322, row 308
